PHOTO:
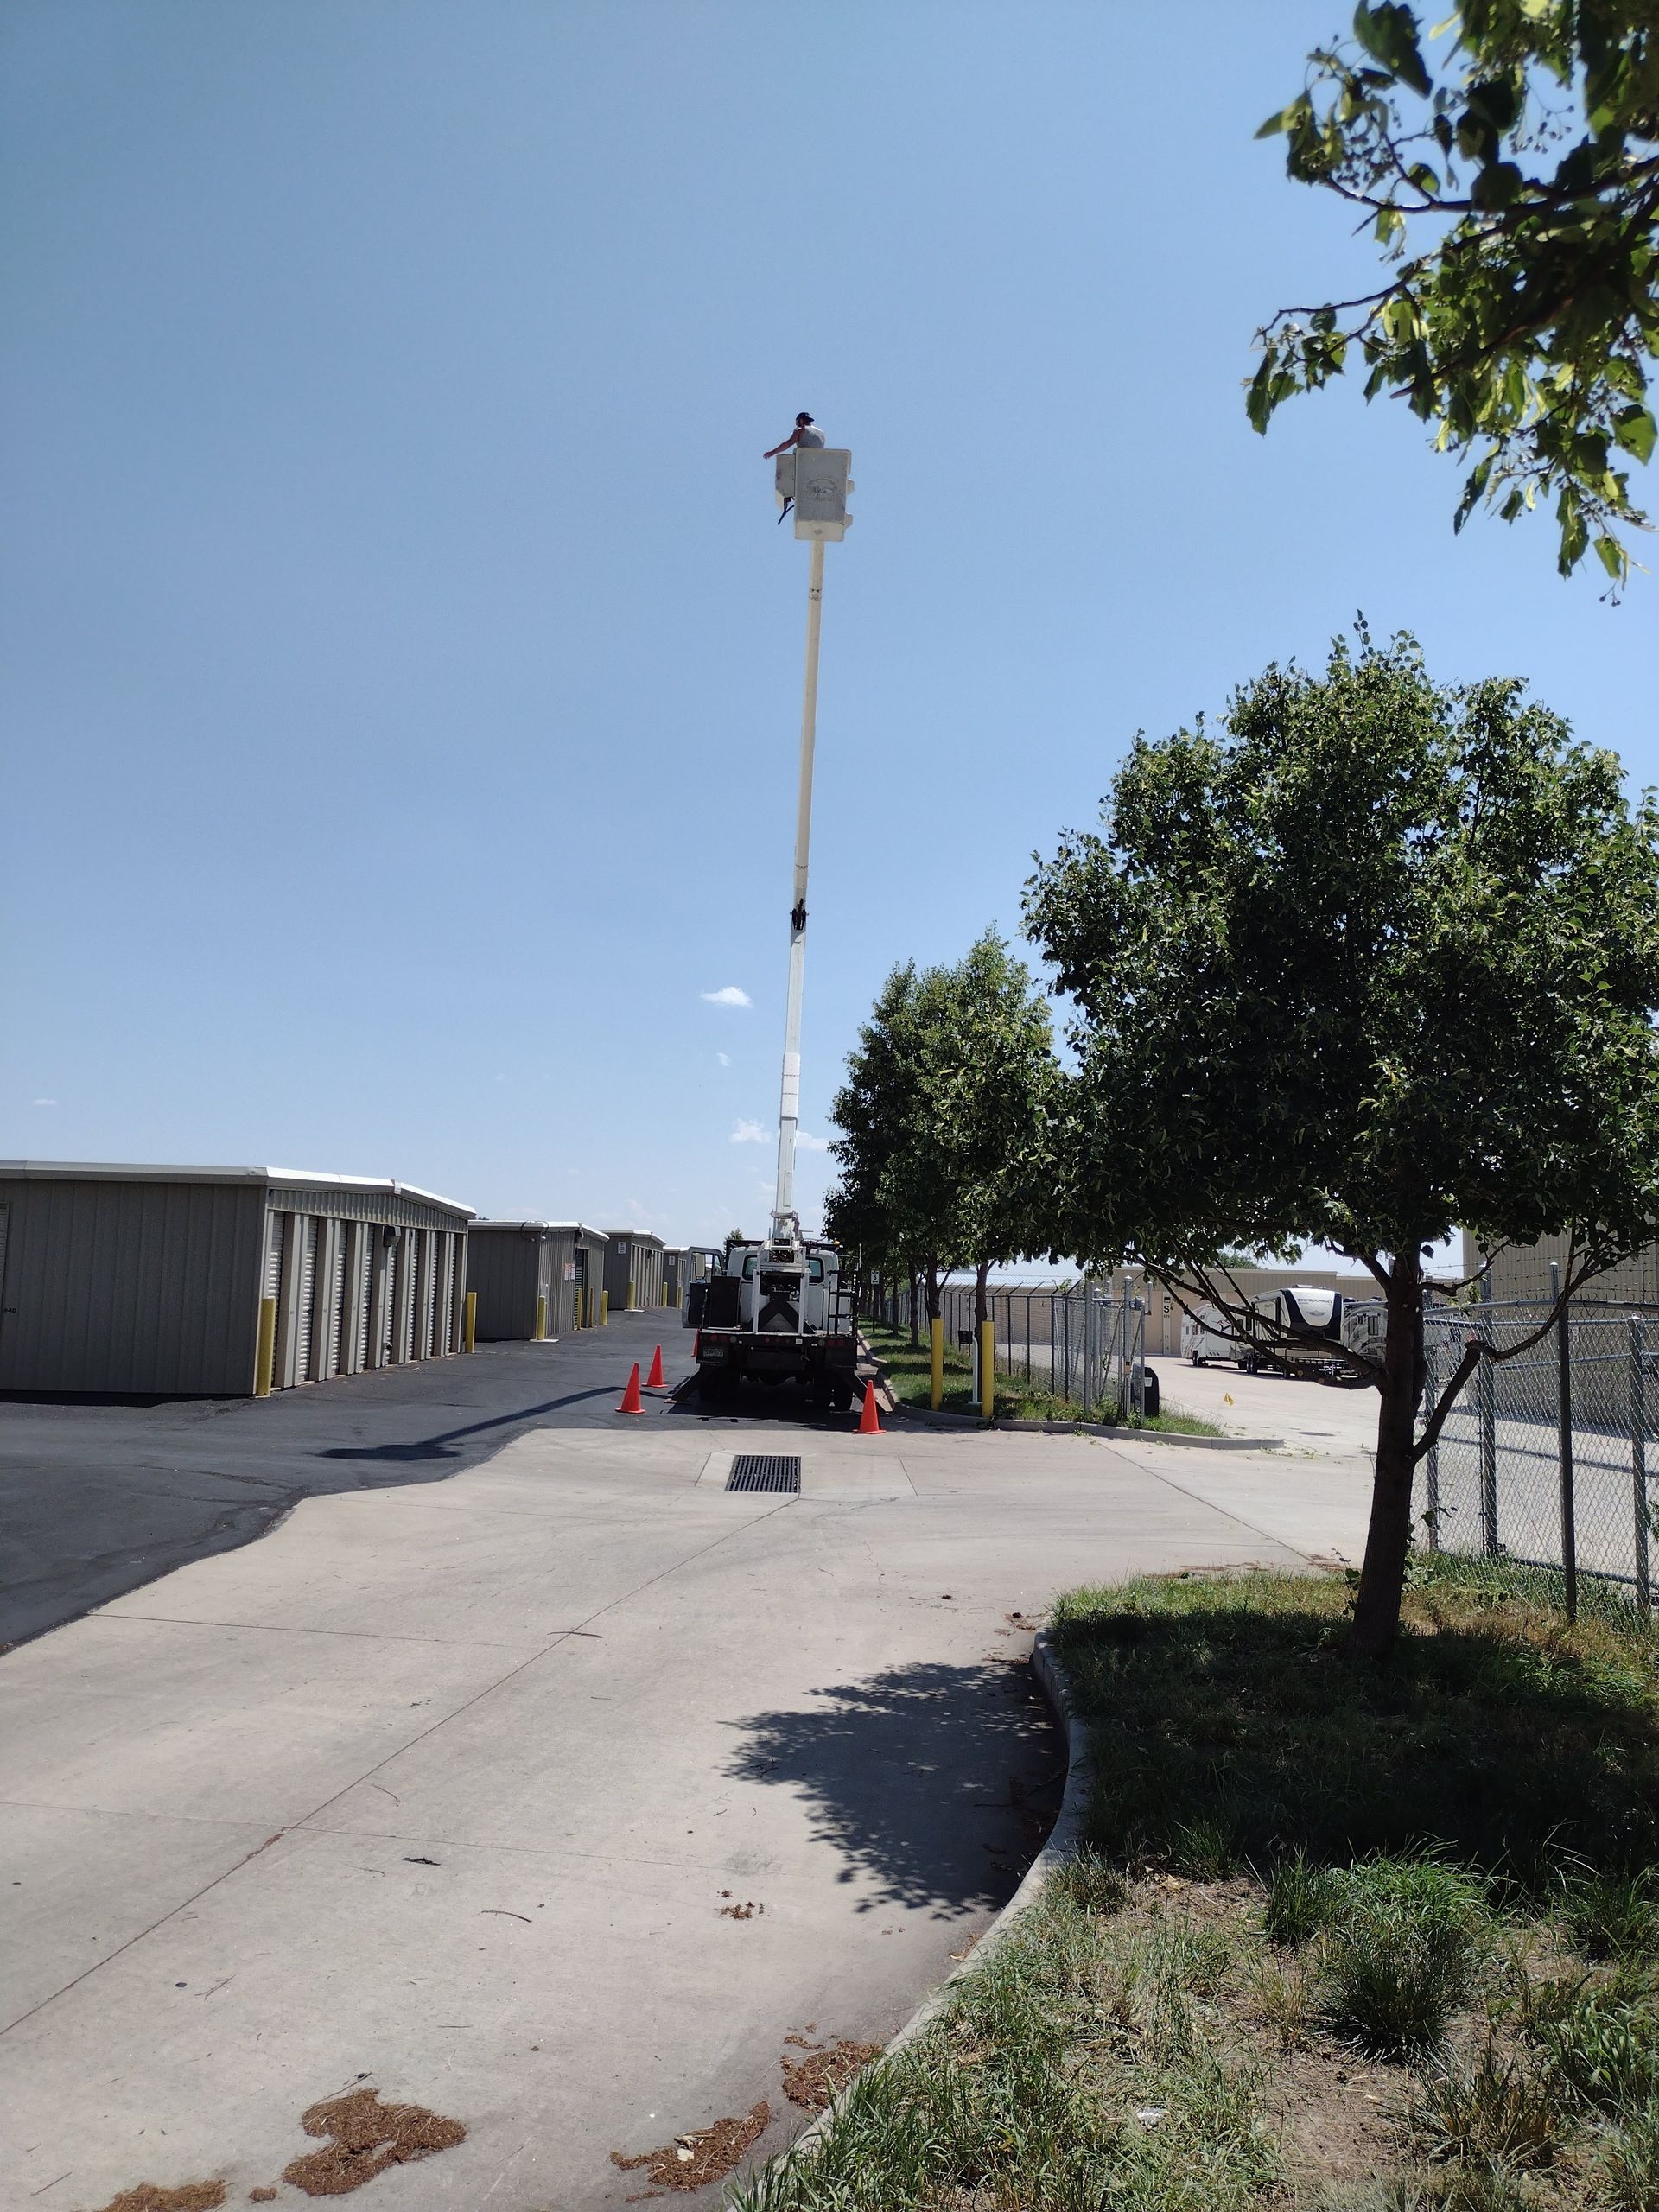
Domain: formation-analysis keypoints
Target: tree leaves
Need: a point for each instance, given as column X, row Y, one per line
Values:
column 1523, row 331
column 945, row 1115
column 1380, row 961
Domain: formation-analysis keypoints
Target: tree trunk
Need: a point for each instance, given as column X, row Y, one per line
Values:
column 934, row 1305
column 981, row 1303
column 1387, row 1540
column 916, row 1310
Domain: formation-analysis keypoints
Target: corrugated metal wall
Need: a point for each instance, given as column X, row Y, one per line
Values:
column 1523, row 1272
column 633, row 1272
column 502, row 1265
column 146, row 1288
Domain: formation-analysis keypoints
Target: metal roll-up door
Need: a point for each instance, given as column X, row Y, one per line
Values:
column 366, row 1243
column 308, row 1296
column 409, row 1284
column 434, row 1291
column 397, row 1296
column 451, row 1247
column 339, row 1336
column 275, row 1247
column 385, row 1305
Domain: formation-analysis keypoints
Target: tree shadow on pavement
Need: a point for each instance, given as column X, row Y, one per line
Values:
column 936, row 1784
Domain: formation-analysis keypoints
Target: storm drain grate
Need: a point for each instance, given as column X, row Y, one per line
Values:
column 765, row 1470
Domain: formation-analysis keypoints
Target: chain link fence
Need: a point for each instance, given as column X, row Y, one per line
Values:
column 1079, row 1343
column 1548, row 1459
column 1545, row 1460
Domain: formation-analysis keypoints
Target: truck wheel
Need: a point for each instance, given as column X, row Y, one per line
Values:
column 840, row 1397
column 1197, row 1362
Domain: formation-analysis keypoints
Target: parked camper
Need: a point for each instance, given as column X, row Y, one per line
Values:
column 1205, row 1335
column 1315, row 1314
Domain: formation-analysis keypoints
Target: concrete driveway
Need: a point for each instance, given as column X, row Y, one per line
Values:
column 462, row 1791
column 1309, row 1413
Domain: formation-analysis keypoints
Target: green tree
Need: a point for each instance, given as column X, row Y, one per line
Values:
column 1380, row 961
column 876, row 1207
column 944, row 1118
column 1522, row 326
column 991, row 1084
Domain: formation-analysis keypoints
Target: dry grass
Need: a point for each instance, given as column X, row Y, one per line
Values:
column 188, row 2196
column 702, row 2154
column 364, row 2138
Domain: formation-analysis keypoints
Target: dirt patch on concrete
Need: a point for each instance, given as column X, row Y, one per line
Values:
column 366, row 2137
column 823, row 2071
column 705, row 2154
column 189, row 2196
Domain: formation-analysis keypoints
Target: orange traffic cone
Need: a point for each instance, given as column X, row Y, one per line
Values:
column 868, row 1421
column 654, row 1380
column 631, row 1402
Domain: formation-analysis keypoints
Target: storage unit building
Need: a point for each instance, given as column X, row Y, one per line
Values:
column 219, row 1281
column 683, row 1265
column 633, row 1270
column 533, row 1279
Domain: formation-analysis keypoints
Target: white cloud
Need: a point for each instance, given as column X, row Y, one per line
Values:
column 728, row 995
column 725, row 1058
column 754, row 1132
column 46, row 1102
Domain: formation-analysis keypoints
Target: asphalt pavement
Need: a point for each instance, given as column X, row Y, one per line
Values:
column 97, row 1500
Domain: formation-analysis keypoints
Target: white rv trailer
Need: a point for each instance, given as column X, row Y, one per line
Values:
column 1206, row 1334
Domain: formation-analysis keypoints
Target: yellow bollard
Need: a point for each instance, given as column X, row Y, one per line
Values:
column 469, row 1326
column 604, row 1308
column 987, row 1368
column 265, row 1349
column 936, row 1339
column 541, row 1318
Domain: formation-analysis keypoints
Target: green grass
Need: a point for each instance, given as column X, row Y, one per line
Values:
column 1403, row 1942
column 1301, row 1877
column 1027, row 2093
column 1520, row 1743
column 909, row 1371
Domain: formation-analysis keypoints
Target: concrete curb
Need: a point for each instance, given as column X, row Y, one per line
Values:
column 1097, row 1428
column 1063, row 1842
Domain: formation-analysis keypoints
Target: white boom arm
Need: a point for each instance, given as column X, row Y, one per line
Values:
column 789, row 1105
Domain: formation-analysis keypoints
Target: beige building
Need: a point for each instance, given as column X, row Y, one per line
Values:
column 1523, row 1272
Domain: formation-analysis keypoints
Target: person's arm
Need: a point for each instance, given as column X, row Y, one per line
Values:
column 785, row 448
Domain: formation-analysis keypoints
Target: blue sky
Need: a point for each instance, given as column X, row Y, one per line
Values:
column 401, row 664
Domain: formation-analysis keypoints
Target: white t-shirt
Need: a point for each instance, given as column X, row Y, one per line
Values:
column 809, row 434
